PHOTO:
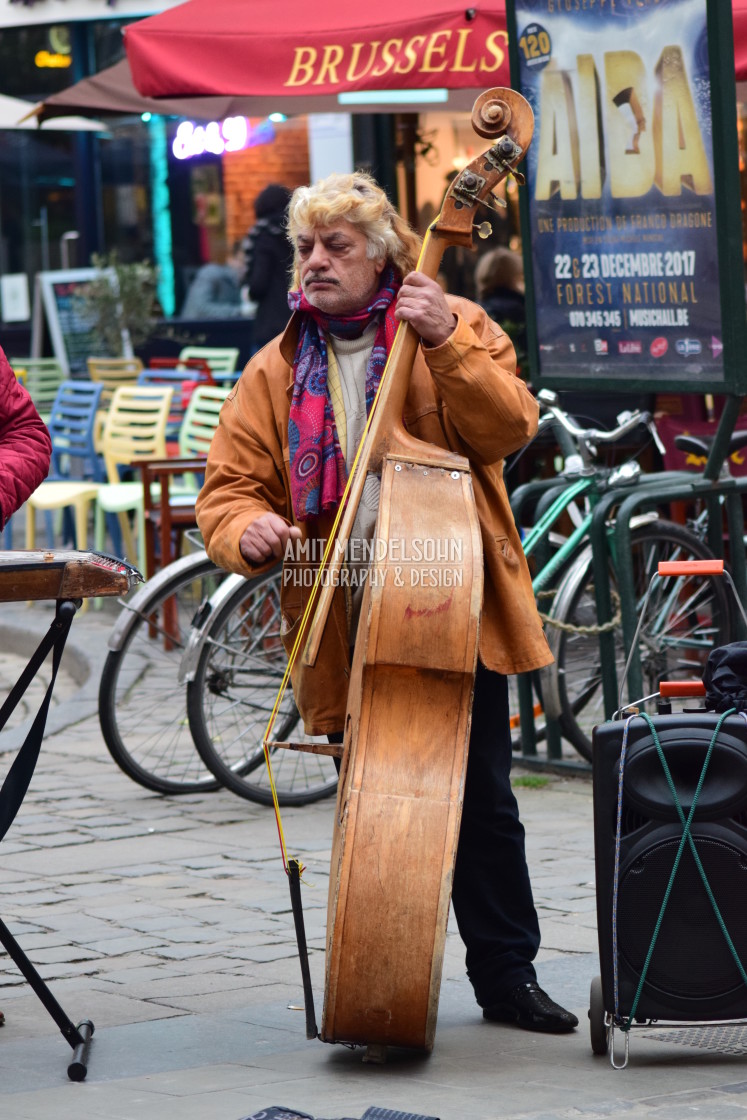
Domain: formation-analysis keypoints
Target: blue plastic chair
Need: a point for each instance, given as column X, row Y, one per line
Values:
column 71, row 426
column 76, row 468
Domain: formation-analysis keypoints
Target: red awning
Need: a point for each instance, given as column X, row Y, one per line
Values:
column 303, row 48
column 739, row 15
column 112, row 93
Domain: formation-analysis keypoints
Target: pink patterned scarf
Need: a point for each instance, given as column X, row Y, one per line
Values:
column 317, row 465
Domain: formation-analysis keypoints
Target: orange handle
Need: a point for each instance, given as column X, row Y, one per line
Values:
column 668, row 690
column 691, row 568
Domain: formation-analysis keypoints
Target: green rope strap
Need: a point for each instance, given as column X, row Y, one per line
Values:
column 686, row 838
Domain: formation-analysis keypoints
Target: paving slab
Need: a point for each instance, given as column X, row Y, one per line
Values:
column 167, row 922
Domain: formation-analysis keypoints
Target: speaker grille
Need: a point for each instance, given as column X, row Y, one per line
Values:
column 691, row 958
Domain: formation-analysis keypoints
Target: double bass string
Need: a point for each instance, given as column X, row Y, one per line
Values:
column 311, row 603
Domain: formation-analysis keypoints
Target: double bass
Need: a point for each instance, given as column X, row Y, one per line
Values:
column 409, row 701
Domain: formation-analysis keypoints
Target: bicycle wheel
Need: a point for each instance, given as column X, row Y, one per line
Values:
column 142, row 706
column 686, row 617
column 231, row 696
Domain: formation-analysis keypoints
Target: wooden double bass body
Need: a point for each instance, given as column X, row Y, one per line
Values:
column 404, row 762
column 410, row 696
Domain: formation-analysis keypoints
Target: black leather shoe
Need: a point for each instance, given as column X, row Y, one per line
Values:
column 531, row 1008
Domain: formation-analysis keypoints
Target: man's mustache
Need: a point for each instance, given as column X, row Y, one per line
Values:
column 324, row 279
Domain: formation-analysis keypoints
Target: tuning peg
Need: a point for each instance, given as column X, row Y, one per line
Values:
column 483, row 230
column 520, row 179
column 498, row 200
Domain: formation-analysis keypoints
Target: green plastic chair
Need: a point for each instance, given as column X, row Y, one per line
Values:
column 221, row 359
column 42, row 378
column 201, row 419
column 195, row 436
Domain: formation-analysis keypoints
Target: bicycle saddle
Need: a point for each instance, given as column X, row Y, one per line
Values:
column 701, row 445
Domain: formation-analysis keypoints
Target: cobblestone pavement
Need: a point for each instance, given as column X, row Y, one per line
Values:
column 167, row 922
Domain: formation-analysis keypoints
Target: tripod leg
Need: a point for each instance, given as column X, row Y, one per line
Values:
column 78, row 1067
column 77, row 1037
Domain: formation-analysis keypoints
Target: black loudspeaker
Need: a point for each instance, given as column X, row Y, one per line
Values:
column 692, row 974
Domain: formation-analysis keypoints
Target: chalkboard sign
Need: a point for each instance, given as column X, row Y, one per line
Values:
column 71, row 329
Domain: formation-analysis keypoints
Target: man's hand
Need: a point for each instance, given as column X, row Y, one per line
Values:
column 266, row 538
column 422, row 303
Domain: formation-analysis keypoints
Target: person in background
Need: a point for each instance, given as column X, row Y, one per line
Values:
column 215, row 292
column 499, row 279
column 25, row 450
column 268, row 262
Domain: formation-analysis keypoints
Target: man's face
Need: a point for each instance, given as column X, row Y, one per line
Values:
column 336, row 275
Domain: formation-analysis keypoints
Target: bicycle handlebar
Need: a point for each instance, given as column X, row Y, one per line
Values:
column 586, row 437
column 594, row 435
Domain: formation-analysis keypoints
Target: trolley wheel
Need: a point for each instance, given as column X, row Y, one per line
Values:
column 597, row 1026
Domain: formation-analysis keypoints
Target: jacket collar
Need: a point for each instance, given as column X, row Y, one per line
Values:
column 289, row 340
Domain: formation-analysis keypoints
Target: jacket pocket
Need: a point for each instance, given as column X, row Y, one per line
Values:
column 506, row 551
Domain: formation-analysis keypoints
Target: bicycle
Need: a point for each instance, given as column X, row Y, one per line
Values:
column 142, row 705
column 688, row 617
column 230, row 692
column 175, row 625
column 570, row 690
column 208, row 678
column 233, row 667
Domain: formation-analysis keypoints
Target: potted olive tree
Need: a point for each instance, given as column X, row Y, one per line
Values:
column 120, row 303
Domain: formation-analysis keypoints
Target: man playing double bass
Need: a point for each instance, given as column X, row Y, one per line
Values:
column 276, row 471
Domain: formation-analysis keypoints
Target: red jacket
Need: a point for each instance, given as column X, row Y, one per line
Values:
column 25, row 446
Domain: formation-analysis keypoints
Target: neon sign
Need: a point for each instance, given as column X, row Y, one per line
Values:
column 231, row 135
column 52, row 58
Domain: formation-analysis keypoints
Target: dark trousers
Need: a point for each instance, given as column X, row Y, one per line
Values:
column 492, row 895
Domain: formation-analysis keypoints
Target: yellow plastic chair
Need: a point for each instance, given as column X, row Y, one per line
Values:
column 112, row 373
column 51, row 496
column 221, row 359
column 57, row 495
column 43, row 377
column 135, row 429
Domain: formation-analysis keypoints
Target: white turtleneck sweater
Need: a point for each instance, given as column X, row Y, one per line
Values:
column 352, row 360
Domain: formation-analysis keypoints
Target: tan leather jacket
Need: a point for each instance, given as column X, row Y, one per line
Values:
column 464, row 396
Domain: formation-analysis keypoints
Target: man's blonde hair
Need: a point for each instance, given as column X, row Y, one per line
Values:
column 359, row 199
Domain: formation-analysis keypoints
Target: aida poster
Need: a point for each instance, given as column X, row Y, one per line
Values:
column 620, row 182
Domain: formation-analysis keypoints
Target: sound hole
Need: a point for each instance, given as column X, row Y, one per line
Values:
column 691, row 958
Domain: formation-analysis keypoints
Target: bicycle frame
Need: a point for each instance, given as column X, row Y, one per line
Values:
column 603, row 493
column 140, row 602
